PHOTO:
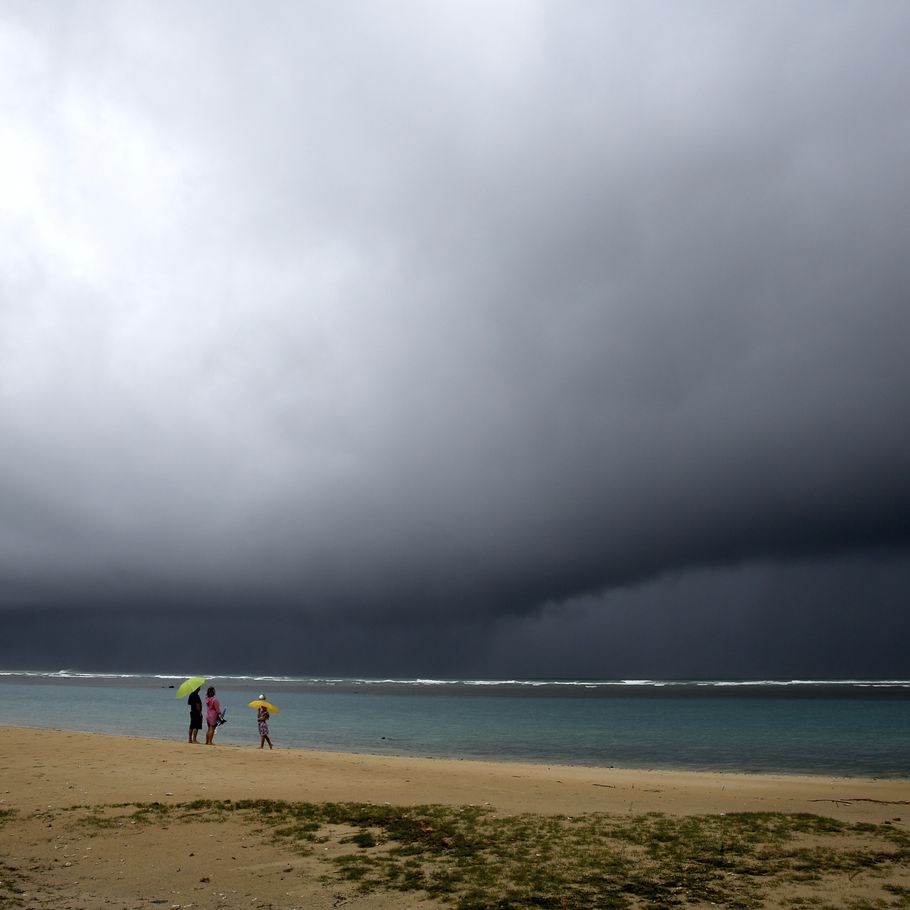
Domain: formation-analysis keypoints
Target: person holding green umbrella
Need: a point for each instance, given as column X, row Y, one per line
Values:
column 192, row 686
column 195, row 703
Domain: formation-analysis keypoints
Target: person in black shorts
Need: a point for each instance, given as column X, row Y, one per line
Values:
column 195, row 703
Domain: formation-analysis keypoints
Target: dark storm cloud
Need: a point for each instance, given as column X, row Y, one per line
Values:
column 806, row 620
column 390, row 309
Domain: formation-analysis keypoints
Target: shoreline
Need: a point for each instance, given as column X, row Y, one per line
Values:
column 709, row 733
column 45, row 767
column 459, row 760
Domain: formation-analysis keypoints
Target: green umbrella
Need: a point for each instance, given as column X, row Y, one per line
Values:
column 193, row 683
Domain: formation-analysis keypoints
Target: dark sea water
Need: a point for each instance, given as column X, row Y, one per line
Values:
column 856, row 728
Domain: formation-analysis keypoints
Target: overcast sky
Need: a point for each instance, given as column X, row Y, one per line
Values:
column 492, row 338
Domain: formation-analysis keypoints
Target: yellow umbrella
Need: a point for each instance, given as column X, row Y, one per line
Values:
column 191, row 685
column 259, row 703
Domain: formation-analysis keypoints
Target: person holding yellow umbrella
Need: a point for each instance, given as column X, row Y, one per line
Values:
column 263, row 708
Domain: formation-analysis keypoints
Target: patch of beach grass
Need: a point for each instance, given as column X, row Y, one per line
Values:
column 470, row 857
column 11, row 889
column 11, row 878
column 151, row 813
column 101, row 818
column 11, row 886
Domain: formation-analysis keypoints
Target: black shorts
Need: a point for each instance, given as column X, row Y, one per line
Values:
column 195, row 721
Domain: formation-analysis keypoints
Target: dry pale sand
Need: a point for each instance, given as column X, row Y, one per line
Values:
column 55, row 768
column 43, row 772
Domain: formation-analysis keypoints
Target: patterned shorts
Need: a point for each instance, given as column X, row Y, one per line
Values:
column 263, row 728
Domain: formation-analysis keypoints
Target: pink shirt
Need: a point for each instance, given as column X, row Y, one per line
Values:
column 212, row 709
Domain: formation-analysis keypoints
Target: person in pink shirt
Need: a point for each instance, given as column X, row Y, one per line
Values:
column 212, row 712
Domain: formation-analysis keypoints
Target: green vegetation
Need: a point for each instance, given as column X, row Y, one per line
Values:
column 469, row 857
column 10, row 887
column 10, row 876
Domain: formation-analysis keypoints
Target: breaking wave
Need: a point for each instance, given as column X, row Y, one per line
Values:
column 416, row 683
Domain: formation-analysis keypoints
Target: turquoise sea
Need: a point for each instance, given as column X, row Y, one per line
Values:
column 852, row 727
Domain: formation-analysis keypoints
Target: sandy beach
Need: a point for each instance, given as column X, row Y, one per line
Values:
column 54, row 860
column 49, row 767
